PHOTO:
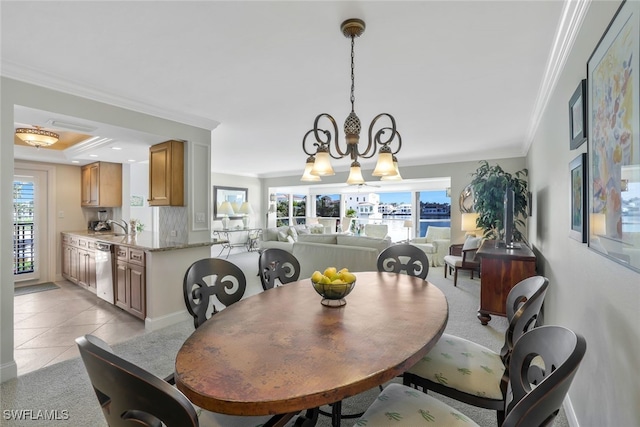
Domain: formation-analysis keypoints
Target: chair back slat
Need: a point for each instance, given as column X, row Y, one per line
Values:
column 275, row 263
column 405, row 258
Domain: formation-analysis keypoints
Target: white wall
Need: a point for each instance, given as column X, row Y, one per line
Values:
column 588, row 293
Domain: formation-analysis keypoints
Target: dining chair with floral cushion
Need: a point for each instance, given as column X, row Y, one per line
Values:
column 472, row 373
column 541, row 369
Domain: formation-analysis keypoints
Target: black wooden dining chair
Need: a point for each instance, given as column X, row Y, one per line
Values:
column 275, row 263
column 474, row 374
column 129, row 395
column 208, row 277
column 542, row 366
column 405, row 258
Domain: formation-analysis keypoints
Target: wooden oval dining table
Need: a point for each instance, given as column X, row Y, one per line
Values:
column 281, row 351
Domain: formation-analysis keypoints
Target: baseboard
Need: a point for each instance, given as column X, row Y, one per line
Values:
column 153, row 324
column 8, row 371
column 570, row 413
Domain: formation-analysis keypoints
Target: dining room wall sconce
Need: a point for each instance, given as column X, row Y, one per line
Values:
column 326, row 142
column 37, row 136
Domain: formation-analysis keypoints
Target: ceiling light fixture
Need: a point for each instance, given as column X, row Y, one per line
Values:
column 37, row 137
column 319, row 162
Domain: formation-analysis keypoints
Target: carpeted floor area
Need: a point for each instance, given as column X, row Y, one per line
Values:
column 66, row 387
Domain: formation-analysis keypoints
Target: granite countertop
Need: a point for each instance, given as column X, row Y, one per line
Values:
column 146, row 241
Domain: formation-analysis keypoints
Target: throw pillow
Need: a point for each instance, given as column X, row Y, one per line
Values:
column 293, row 233
column 471, row 243
column 282, row 236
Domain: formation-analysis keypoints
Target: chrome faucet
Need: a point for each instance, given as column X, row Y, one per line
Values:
column 124, row 225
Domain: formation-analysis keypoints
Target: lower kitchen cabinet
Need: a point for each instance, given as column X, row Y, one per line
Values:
column 79, row 261
column 131, row 281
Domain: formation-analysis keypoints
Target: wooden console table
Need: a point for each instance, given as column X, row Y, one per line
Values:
column 500, row 270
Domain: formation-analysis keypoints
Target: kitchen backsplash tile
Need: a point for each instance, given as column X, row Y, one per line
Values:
column 173, row 218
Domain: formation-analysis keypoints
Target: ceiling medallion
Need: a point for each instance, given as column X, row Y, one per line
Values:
column 37, row 137
column 319, row 162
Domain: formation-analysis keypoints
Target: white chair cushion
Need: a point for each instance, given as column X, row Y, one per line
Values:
column 462, row 365
column 453, row 260
column 404, row 406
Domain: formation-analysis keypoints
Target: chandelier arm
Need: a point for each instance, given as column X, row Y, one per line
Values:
column 317, row 143
column 336, row 145
column 375, row 140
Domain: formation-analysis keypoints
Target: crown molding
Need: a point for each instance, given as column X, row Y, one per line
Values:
column 53, row 81
column 573, row 13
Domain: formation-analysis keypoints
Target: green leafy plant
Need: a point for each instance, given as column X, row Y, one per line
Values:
column 489, row 185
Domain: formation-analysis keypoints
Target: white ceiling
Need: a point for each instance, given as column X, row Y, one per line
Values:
column 465, row 80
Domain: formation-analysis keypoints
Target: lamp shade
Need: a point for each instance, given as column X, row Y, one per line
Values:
column 225, row 209
column 598, row 224
column 355, row 174
column 322, row 165
column 384, row 166
column 469, row 221
column 37, row 137
column 246, row 208
column 397, row 176
column 306, row 175
column 408, row 223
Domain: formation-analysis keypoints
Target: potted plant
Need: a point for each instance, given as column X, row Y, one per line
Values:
column 489, row 186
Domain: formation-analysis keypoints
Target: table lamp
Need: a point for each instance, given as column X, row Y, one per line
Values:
column 246, row 210
column 470, row 223
column 409, row 225
column 225, row 210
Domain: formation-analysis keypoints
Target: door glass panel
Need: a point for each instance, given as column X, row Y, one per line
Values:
column 24, row 244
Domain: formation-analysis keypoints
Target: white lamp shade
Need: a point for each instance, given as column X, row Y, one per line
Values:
column 306, row 176
column 469, row 221
column 355, row 175
column 395, row 177
column 408, row 223
column 322, row 165
column 225, row 209
column 384, row 166
column 246, row 208
column 598, row 224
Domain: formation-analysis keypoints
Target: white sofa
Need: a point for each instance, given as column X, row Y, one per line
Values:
column 317, row 251
column 435, row 244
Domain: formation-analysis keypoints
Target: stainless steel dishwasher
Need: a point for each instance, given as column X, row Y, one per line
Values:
column 104, row 271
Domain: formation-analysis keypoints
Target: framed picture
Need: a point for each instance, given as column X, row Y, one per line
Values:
column 578, row 198
column 613, row 89
column 234, row 195
column 578, row 115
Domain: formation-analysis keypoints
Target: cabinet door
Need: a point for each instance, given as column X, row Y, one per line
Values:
column 74, row 264
column 137, row 287
column 159, row 174
column 122, row 291
column 66, row 261
column 90, row 184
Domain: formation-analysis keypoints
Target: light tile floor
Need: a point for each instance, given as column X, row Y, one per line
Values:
column 47, row 323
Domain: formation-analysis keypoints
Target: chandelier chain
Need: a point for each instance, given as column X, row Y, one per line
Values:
column 353, row 78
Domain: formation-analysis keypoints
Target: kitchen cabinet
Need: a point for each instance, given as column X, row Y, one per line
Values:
column 166, row 174
column 131, row 281
column 101, row 185
column 79, row 261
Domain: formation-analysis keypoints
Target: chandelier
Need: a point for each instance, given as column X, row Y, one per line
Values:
column 37, row 137
column 319, row 161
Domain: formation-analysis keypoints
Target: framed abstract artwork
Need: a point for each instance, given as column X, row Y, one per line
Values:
column 578, row 116
column 578, row 198
column 613, row 90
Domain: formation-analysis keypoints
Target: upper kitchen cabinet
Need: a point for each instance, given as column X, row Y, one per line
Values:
column 102, row 185
column 166, row 174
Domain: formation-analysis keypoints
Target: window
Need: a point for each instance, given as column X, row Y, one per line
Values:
column 299, row 213
column 328, row 205
column 282, row 209
column 435, row 209
column 23, row 227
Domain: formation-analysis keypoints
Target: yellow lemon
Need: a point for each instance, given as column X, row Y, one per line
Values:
column 344, row 270
column 325, row 280
column 348, row 277
column 330, row 271
column 338, row 282
column 316, row 276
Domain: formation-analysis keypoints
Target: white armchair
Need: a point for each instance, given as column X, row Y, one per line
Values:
column 435, row 244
